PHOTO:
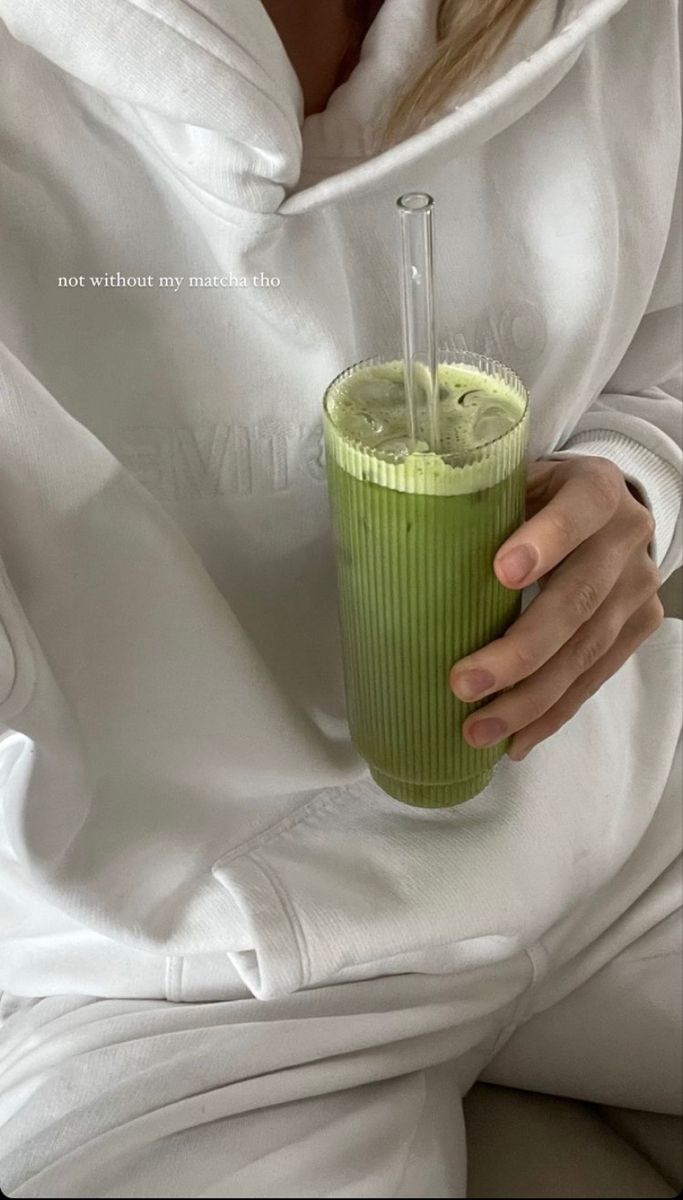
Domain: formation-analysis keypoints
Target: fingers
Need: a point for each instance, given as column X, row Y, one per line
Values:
column 526, row 703
column 598, row 585
column 541, row 484
column 569, row 598
column 586, row 500
column 641, row 625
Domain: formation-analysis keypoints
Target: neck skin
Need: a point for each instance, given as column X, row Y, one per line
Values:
column 323, row 39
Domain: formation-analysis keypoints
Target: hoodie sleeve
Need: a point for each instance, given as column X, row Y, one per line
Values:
column 637, row 421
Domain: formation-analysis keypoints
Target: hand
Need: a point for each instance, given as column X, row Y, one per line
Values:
column 585, row 541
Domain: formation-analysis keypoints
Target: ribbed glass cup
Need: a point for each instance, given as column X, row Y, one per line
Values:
column 417, row 592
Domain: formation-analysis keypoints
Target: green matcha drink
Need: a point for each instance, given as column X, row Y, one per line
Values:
column 416, row 536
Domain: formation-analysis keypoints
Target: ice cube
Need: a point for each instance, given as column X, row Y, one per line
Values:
column 455, row 400
column 380, row 392
column 491, row 422
column 397, row 447
column 365, row 428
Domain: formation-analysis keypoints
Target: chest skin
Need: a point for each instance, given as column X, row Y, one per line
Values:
column 323, row 40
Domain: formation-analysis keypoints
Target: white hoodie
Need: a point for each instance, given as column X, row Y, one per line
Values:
column 184, row 814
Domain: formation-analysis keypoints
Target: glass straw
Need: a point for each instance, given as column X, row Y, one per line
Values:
column 416, row 216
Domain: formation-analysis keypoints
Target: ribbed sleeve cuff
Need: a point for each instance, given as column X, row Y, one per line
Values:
column 658, row 481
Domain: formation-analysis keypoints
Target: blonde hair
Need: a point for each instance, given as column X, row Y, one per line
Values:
column 471, row 34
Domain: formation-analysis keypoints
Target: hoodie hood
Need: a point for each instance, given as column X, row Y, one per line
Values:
column 196, row 80
column 207, row 83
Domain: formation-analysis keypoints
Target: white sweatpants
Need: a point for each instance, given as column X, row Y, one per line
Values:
column 349, row 1090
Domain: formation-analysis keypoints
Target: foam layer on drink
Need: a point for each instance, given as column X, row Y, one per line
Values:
column 482, row 423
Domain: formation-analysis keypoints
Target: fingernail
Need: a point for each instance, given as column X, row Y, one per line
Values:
column 518, row 754
column 518, row 563
column 486, row 732
column 470, row 685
